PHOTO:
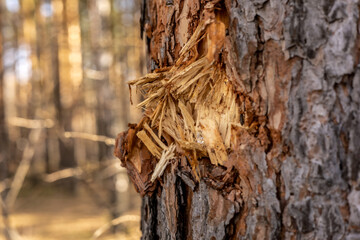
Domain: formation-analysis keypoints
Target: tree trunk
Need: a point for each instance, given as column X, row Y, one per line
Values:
column 63, row 112
column 3, row 129
column 294, row 68
column 4, row 140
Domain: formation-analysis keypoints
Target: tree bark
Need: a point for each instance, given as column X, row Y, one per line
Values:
column 294, row 65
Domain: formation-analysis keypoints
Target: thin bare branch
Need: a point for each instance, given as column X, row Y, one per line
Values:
column 91, row 137
column 48, row 123
column 23, row 168
column 31, row 123
column 65, row 173
column 115, row 222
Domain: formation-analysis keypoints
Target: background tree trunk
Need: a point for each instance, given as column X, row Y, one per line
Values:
column 295, row 64
column 4, row 144
column 3, row 130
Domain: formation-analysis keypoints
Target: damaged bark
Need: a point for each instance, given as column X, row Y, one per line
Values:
column 269, row 148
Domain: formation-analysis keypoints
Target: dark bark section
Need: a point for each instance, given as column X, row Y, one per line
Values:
column 297, row 176
column 176, row 212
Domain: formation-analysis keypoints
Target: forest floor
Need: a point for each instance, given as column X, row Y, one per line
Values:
column 46, row 214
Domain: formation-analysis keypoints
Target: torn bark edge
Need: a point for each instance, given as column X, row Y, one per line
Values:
column 136, row 158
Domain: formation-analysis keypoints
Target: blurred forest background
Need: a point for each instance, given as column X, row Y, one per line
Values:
column 64, row 65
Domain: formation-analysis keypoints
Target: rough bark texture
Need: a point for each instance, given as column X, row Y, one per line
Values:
column 295, row 67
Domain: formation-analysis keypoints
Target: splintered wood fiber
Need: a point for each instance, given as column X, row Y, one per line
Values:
column 192, row 102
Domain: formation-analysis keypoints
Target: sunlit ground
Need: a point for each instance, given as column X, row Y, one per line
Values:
column 49, row 214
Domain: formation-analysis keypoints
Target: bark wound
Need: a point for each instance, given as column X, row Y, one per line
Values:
column 291, row 168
